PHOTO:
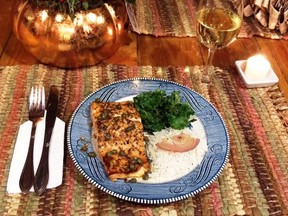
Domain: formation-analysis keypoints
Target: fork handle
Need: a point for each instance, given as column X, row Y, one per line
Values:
column 27, row 175
column 42, row 174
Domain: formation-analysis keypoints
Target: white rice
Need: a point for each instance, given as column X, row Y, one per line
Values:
column 167, row 166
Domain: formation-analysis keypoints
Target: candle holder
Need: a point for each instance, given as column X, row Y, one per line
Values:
column 254, row 74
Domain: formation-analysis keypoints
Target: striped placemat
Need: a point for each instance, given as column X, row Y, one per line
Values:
column 254, row 181
column 177, row 18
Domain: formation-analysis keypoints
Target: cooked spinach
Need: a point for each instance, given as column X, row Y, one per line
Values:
column 159, row 111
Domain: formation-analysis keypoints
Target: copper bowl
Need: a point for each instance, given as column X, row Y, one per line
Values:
column 56, row 39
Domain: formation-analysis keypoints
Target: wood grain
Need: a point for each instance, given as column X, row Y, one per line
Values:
column 160, row 51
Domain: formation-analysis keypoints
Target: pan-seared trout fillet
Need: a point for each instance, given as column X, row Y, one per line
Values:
column 118, row 138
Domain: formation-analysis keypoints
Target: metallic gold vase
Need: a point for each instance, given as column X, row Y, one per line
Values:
column 57, row 39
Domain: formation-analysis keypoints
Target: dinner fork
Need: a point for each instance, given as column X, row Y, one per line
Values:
column 36, row 113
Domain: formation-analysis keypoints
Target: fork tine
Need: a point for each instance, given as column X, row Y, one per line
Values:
column 31, row 97
column 40, row 97
column 43, row 97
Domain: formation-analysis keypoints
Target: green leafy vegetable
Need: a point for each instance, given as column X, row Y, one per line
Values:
column 159, row 111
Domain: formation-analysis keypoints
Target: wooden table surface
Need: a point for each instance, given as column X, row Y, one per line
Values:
column 160, row 51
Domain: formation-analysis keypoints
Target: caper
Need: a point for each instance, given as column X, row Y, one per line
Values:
column 130, row 128
column 139, row 161
column 132, row 180
column 84, row 147
column 116, row 119
column 122, row 153
column 146, row 139
column 91, row 154
column 145, row 176
column 104, row 115
column 132, row 167
column 107, row 136
column 114, row 151
column 124, row 115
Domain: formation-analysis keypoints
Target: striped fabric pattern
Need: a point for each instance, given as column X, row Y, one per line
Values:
column 177, row 18
column 254, row 181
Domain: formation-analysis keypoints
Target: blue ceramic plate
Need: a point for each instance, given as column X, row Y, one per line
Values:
column 199, row 178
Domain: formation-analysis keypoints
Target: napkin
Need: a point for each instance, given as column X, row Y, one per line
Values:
column 56, row 154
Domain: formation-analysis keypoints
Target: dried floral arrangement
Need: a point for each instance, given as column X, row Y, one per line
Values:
column 70, row 6
column 270, row 13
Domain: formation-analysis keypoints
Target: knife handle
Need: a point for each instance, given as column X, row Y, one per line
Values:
column 27, row 175
column 42, row 174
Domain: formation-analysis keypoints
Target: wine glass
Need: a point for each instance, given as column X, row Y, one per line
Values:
column 218, row 23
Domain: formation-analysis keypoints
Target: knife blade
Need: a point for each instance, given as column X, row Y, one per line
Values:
column 42, row 174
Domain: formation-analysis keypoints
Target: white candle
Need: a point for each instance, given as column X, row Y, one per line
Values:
column 257, row 68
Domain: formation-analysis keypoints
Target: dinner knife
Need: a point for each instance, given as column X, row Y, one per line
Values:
column 42, row 174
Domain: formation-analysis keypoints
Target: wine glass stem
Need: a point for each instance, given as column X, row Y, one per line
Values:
column 209, row 60
column 210, row 57
column 208, row 68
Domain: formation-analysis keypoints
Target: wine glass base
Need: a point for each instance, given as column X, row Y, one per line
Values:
column 206, row 79
column 207, row 74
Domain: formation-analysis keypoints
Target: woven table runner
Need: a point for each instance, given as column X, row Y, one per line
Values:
column 254, row 181
column 177, row 18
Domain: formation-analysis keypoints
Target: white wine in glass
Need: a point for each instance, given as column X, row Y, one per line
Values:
column 218, row 24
